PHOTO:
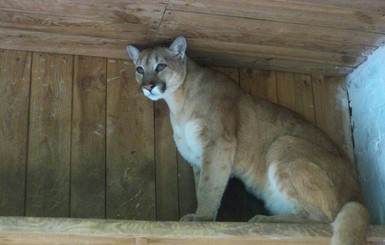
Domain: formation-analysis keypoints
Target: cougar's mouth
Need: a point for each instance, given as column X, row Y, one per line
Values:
column 153, row 91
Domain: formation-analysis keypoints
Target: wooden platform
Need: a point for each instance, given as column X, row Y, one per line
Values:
column 41, row 231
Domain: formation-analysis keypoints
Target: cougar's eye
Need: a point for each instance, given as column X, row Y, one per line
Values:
column 160, row 67
column 140, row 70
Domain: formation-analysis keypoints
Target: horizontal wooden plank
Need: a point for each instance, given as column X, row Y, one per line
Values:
column 147, row 12
column 291, row 12
column 267, row 63
column 18, row 230
column 372, row 6
column 116, row 48
column 294, row 54
column 79, row 26
column 280, row 30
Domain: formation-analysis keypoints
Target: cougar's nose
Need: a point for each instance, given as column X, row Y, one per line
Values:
column 149, row 87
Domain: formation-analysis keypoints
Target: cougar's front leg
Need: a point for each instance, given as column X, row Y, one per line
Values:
column 214, row 174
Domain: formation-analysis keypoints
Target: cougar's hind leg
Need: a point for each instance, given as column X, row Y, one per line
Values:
column 299, row 184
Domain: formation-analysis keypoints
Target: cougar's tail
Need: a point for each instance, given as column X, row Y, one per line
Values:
column 349, row 227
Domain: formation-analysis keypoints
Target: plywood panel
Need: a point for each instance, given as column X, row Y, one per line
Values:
column 49, row 151
column 296, row 93
column 332, row 110
column 130, row 146
column 88, row 138
column 167, row 204
column 15, row 68
column 259, row 83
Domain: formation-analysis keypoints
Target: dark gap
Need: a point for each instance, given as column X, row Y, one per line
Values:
column 28, row 131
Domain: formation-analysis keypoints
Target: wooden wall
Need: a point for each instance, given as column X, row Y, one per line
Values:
column 79, row 140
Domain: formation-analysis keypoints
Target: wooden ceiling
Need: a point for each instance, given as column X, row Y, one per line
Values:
column 314, row 36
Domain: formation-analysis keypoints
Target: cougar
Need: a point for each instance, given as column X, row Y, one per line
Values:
column 282, row 159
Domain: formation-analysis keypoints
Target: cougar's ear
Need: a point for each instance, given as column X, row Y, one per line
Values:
column 178, row 47
column 133, row 53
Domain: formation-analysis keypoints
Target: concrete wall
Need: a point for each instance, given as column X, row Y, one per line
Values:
column 366, row 87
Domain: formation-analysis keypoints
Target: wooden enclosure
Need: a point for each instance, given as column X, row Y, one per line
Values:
column 85, row 158
column 80, row 140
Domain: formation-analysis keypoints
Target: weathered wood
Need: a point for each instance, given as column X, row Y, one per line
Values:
column 256, row 31
column 115, row 48
column 33, row 231
column 332, row 110
column 166, row 166
column 302, row 12
column 295, row 92
column 325, row 37
column 15, row 68
column 130, row 146
column 49, row 151
column 77, row 26
column 88, row 138
column 148, row 12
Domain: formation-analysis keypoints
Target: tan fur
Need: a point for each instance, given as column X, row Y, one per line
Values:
column 283, row 159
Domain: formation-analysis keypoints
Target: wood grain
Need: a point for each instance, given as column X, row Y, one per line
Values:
column 299, row 12
column 295, row 92
column 33, row 231
column 130, row 146
column 332, row 110
column 88, row 172
column 324, row 37
column 49, row 151
column 15, row 68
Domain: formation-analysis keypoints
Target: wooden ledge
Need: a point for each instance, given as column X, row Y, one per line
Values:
column 41, row 231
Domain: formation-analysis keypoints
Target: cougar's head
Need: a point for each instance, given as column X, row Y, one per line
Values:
column 160, row 71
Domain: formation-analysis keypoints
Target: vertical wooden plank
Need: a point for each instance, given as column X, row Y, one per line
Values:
column 166, row 166
column 130, row 146
column 295, row 92
column 186, row 186
column 332, row 110
column 259, row 83
column 49, row 136
column 15, row 68
column 88, row 138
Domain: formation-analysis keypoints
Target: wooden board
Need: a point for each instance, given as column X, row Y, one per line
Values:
column 33, row 231
column 130, row 146
column 295, row 92
column 15, row 69
column 49, row 151
column 88, row 160
column 332, row 110
column 167, row 196
column 301, row 12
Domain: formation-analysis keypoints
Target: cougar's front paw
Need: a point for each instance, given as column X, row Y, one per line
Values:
column 188, row 217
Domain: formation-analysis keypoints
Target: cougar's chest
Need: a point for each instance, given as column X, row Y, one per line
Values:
column 187, row 136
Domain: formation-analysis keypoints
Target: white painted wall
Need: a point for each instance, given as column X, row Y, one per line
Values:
column 366, row 87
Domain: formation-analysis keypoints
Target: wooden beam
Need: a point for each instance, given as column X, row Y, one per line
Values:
column 31, row 231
